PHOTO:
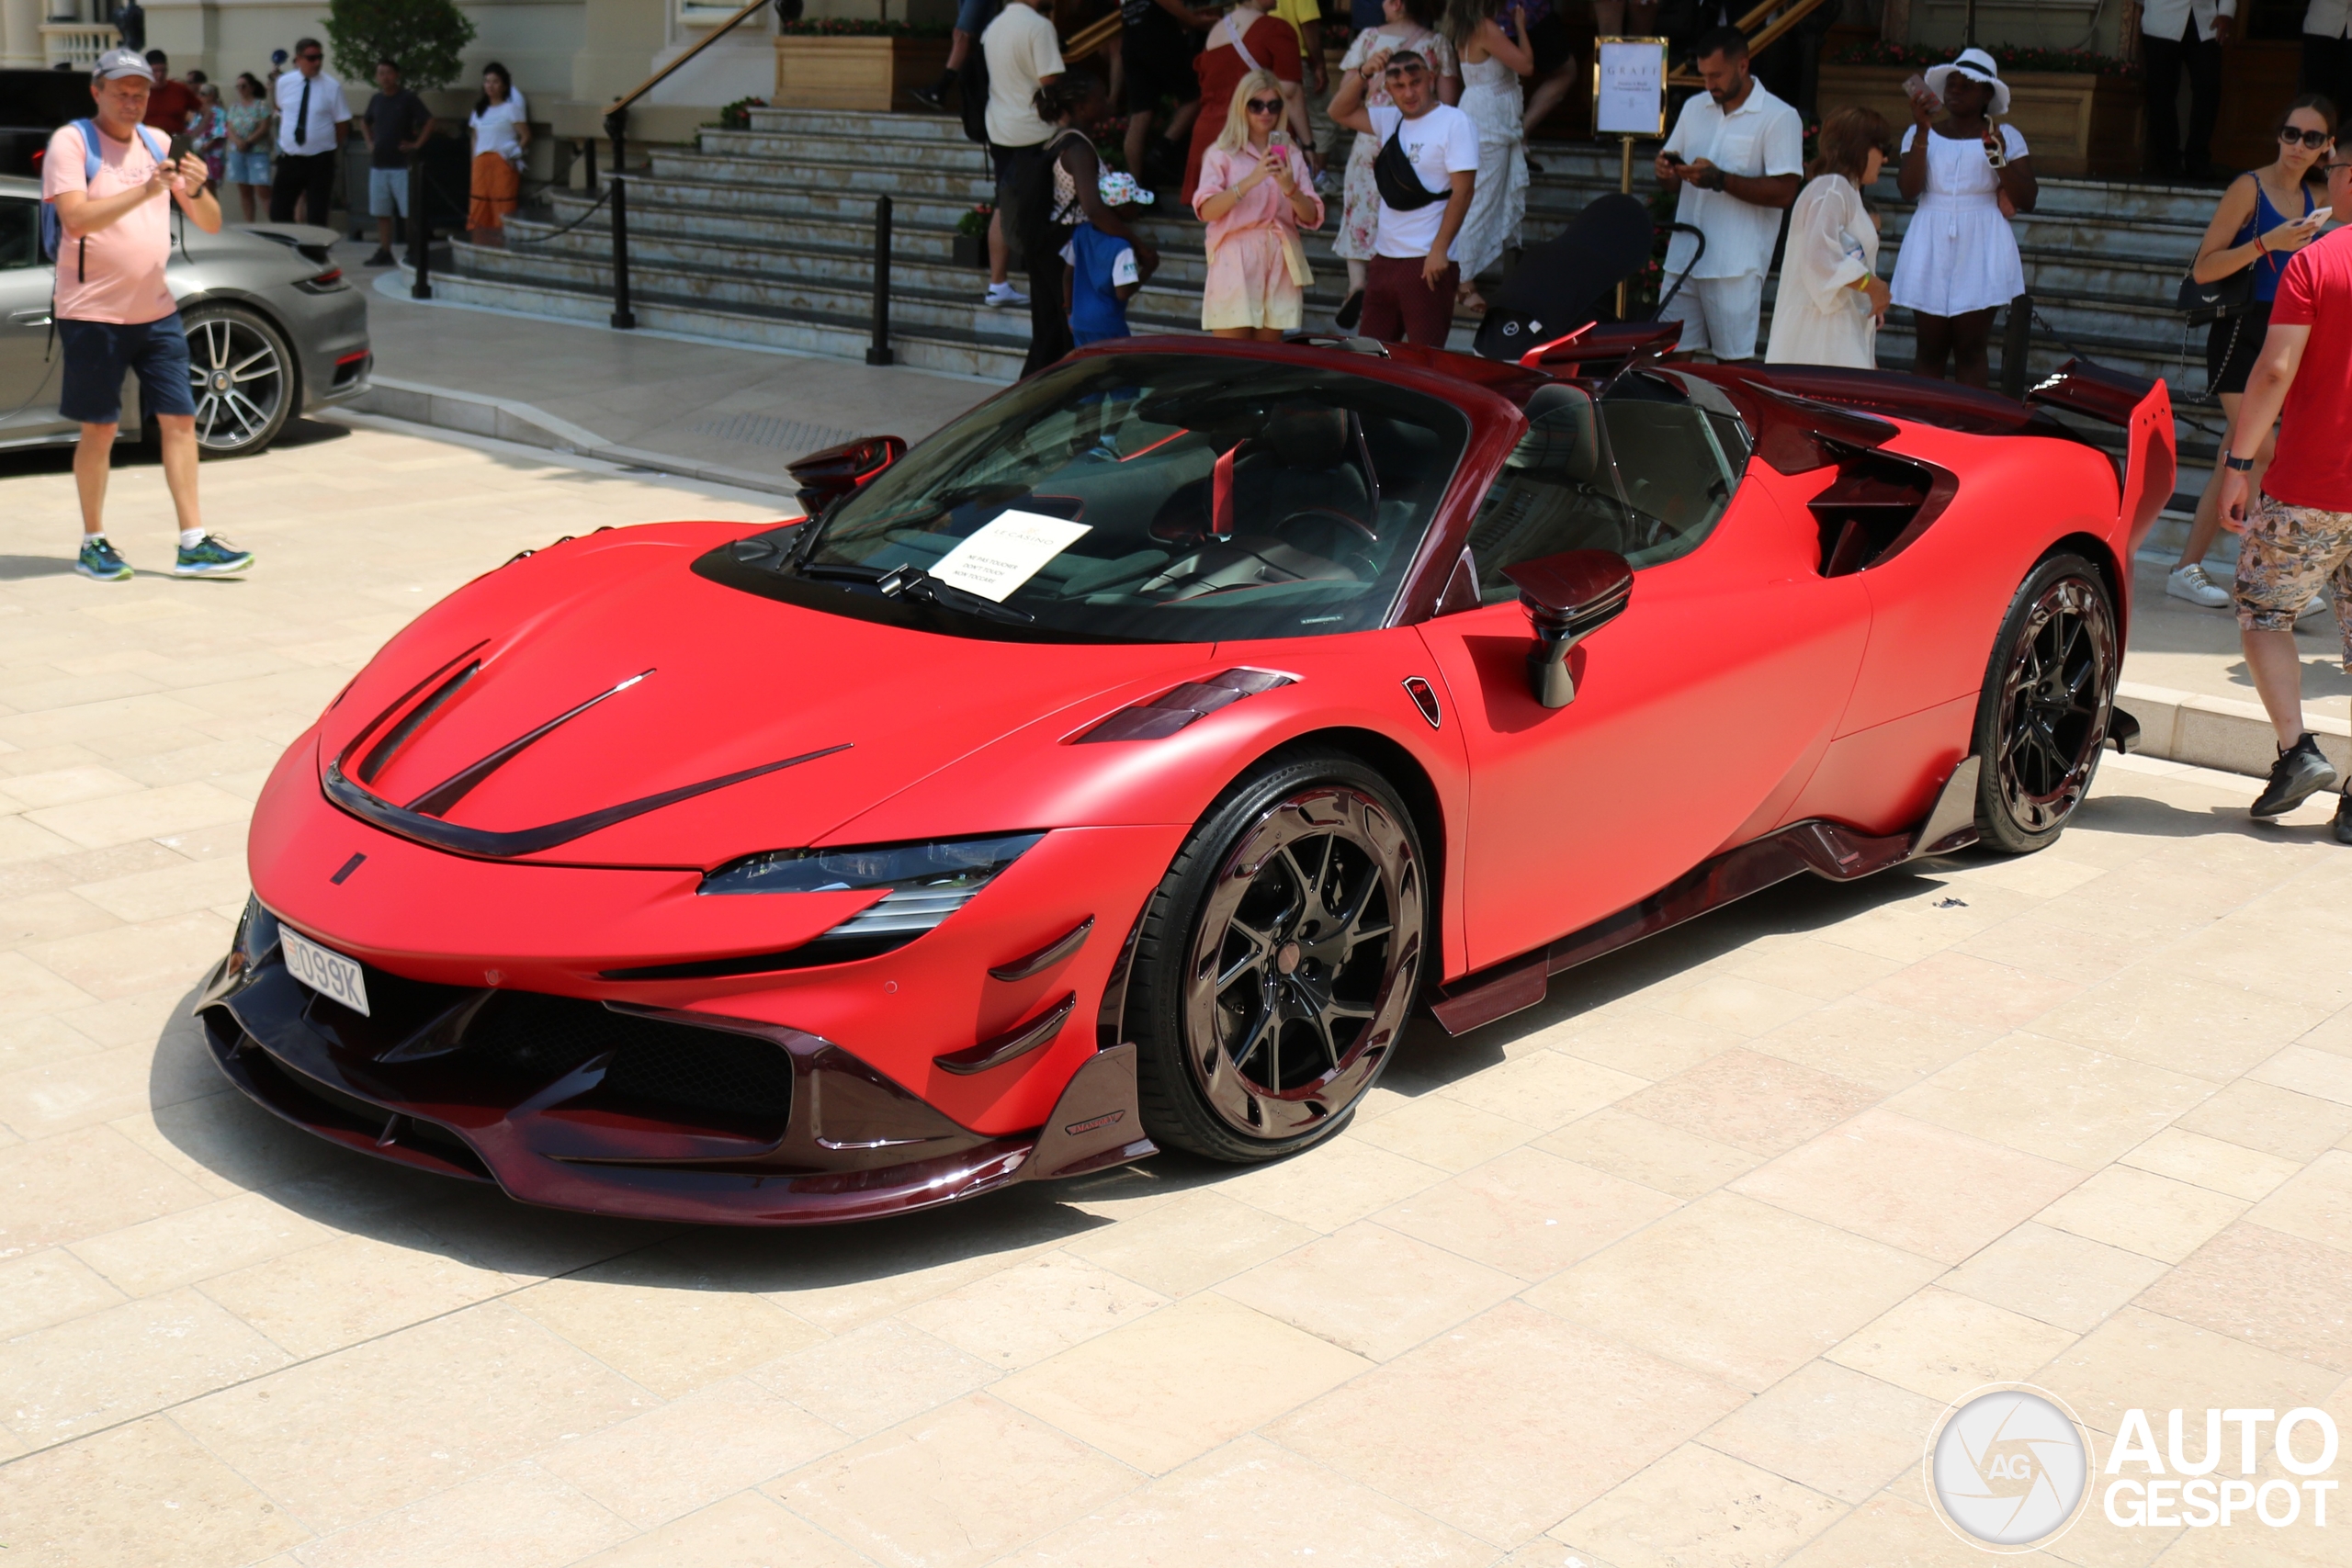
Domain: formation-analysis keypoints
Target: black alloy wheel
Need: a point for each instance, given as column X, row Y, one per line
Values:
column 2043, row 714
column 1278, row 961
column 242, row 374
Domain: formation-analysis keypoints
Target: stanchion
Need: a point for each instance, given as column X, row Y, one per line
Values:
column 420, row 230
column 2015, row 339
column 879, row 352
column 623, row 317
column 1624, row 188
column 589, row 143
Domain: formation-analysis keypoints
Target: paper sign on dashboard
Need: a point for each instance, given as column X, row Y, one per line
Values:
column 1007, row 552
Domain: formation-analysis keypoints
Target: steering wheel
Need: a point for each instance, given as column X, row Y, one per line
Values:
column 1334, row 513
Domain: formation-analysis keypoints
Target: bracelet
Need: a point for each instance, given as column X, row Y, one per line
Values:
column 2260, row 246
column 2236, row 464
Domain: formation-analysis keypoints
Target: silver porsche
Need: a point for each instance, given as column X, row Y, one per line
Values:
column 273, row 329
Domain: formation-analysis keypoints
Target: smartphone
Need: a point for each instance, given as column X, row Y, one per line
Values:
column 1916, row 88
column 181, row 146
column 1673, row 158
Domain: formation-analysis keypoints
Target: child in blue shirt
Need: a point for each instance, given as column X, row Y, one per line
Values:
column 1104, row 271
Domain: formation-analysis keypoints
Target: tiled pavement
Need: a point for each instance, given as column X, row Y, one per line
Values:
column 1675, row 1271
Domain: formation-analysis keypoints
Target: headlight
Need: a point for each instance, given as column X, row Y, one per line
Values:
column 927, row 883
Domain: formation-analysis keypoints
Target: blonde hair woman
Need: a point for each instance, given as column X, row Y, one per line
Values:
column 1255, row 195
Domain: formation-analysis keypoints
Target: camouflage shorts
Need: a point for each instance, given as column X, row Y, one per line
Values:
column 2288, row 554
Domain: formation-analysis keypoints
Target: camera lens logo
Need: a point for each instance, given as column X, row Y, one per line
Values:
column 2008, row 1468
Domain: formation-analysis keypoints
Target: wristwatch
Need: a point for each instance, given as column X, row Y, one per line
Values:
column 2237, row 464
column 1711, row 180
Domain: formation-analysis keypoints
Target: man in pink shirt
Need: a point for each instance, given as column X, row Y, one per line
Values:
column 2300, row 535
column 115, row 312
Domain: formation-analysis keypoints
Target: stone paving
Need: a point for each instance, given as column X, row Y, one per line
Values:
column 1672, row 1272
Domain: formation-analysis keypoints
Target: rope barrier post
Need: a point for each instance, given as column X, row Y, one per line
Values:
column 589, row 143
column 879, row 352
column 2015, row 338
column 622, row 318
column 420, row 230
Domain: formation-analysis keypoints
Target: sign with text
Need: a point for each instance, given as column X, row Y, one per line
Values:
column 1629, row 86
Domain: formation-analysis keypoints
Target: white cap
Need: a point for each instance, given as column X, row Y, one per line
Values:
column 117, row 62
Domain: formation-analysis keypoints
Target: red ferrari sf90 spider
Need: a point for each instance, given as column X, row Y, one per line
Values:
column 1122, row 765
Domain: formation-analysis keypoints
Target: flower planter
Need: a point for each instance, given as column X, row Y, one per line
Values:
column 2073, row 124
column 972, row 250
column 815, row 72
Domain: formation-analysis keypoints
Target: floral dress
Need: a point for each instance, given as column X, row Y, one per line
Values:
column 1359, row 206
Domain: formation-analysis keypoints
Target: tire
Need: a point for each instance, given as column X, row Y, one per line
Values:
column 1265, row 997
column 2042, row 716
column 244, row 378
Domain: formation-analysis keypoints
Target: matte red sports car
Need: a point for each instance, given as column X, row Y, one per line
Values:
column 1123, row 764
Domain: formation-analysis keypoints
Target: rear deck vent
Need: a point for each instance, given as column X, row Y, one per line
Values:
column 1874, row 507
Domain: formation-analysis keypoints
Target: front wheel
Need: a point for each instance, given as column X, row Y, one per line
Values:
column 2044, row 713
column 1278, row 960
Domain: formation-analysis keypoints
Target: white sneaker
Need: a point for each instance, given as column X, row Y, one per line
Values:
column 2318, row 605
column 1002, row 294
column 2190, row 582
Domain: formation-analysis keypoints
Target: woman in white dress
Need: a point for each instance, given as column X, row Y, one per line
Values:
column 1959, row 264
column 1407, row 26
column 1493, row 59
column 1831, row 300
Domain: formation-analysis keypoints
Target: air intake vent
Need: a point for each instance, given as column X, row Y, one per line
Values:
column 1171, row 711
column 1875, row 507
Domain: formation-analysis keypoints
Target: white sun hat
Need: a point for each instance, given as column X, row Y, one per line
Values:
column 1977, row 66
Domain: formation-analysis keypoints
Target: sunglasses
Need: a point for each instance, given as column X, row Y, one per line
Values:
column 311, row 59
column 1398, row 70
column 2314, row 140
column 1265, row 106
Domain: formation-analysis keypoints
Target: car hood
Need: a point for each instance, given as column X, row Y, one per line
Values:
column 602, row 696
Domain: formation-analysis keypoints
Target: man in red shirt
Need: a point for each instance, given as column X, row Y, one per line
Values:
column 171, row 100
column 2301, row 535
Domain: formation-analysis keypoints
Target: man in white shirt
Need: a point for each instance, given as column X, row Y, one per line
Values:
column 312, row 121
column 1737, row 152
column 1023, row 54
column 2327, row 50
column 2176, row 35
column 1410, row 281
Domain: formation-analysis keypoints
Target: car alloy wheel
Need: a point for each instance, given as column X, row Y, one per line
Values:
column 2044, row 713
column 242, row 376
column 1302, row 924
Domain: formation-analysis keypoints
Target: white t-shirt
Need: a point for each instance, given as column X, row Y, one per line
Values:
column 494, row 128
column 1022, row 51
column 1442, row 142
column 1761, row 138
column 327, row 111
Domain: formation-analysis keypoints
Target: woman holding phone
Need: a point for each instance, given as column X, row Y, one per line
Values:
column 1959, row 264
column 1255, row 195
column 2263, row 218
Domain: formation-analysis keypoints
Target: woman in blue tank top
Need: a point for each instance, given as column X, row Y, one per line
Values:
column 2263, row 219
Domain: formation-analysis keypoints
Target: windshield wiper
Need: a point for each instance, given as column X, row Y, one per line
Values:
column 913, row 582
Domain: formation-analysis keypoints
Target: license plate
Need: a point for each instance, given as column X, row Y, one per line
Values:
column 330, row 974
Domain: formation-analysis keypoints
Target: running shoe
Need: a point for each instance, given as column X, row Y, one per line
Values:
column 98, row 559
column 2299, row 772
column 212, row 557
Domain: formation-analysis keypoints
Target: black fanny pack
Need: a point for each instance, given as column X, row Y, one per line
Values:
column 1400, row 185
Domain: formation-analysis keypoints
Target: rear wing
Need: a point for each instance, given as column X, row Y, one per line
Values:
column 2143, row 409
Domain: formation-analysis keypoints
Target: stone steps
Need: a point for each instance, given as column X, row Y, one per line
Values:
column 774, row 224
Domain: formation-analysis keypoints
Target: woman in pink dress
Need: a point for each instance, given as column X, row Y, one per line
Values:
column 1255, row 194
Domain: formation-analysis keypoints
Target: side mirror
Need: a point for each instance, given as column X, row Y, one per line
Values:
column 825, row 477
column 1567, row 597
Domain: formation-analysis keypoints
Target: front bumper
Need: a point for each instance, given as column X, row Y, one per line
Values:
column 576, row 1104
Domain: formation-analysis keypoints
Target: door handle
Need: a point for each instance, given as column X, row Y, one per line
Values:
column 35, row 318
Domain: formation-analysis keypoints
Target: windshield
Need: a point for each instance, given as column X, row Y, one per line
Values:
column 1151, row 497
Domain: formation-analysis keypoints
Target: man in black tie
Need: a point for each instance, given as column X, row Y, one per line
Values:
column 312, row 121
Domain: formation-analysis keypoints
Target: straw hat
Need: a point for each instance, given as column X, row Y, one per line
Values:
column 1977, row 66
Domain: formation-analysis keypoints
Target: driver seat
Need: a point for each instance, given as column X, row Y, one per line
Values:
column 1300, row 460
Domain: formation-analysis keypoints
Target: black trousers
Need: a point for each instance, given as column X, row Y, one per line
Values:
column 2328, row 67
column 2166, row 59
column 1049, row 336
column 311, row 176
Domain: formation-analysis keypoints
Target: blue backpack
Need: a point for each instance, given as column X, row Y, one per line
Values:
column 52, row 228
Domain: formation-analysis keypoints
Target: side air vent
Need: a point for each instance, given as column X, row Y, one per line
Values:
column 1875, row 507
column 1171, row 711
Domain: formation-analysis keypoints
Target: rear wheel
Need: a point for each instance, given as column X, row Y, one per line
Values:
column 1278, row 960
column 2044, row 713
column 241, row 373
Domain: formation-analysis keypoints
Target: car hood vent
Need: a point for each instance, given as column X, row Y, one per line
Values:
column 1171, row 711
